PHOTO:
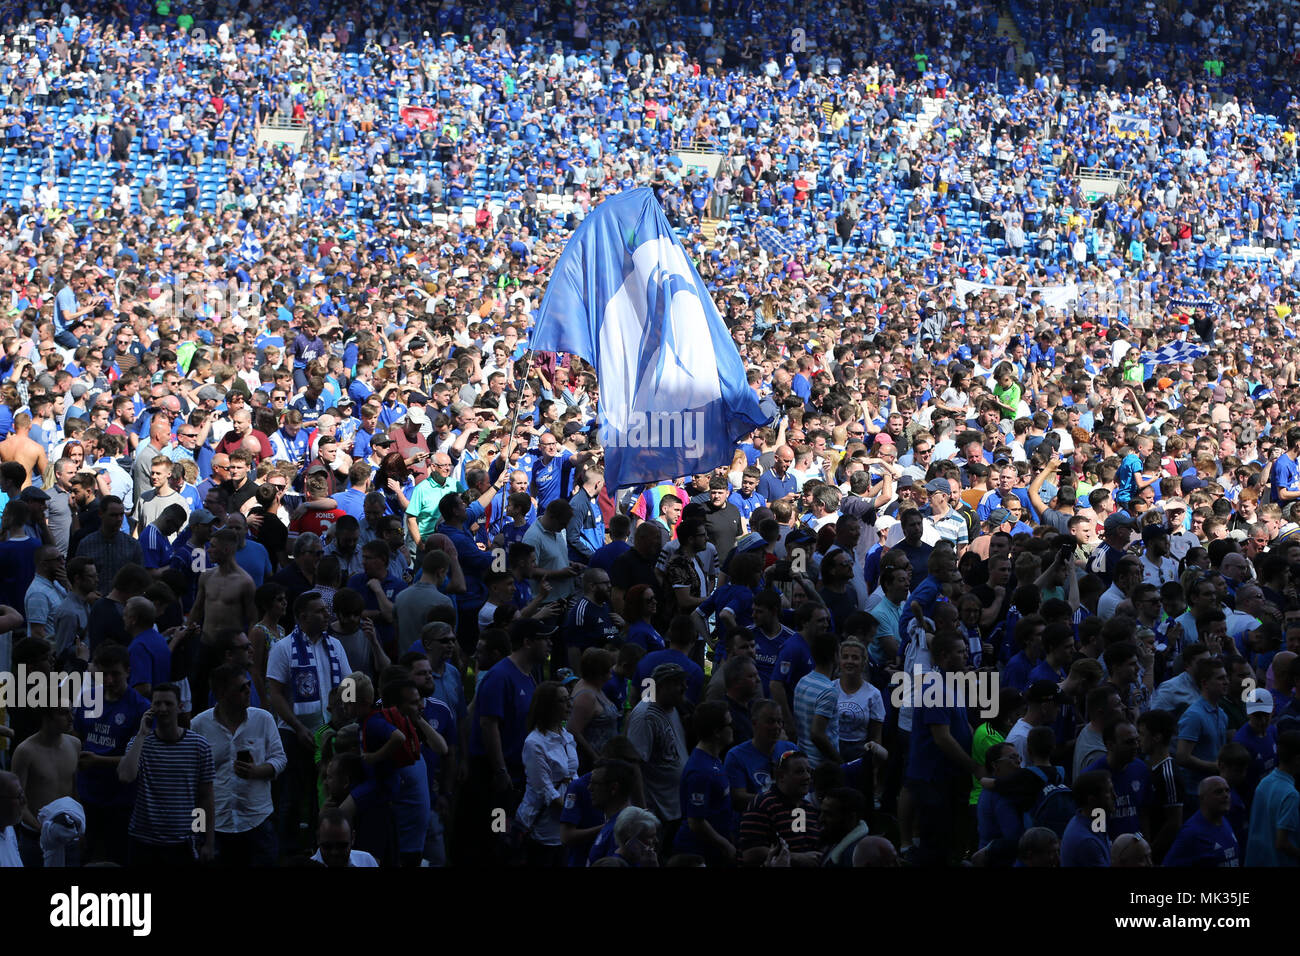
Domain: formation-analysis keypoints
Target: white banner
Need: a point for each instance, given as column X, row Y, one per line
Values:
column 1129, row 126
column 1054, row 296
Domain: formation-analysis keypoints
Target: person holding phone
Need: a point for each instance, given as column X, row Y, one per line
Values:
column 247, row 755
column 174, row 798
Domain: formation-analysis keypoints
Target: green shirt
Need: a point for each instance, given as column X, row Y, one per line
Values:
column 1008, row 396
column 985, row 737
column 424, row 503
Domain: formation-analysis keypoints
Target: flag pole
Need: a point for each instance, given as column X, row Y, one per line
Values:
column 527, row 360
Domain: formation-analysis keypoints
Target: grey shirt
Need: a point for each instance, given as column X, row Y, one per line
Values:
column 58, row 514
column 660, row 740
column 149, row 506
column 412, row 608
column 144, row 456
column 1087, row 749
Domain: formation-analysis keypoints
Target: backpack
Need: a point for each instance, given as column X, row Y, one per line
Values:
column 1054, row 807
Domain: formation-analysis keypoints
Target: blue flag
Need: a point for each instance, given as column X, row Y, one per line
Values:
column 775, row 242
column 674, row 399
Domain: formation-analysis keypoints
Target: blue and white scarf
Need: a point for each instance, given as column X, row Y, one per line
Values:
column 306, row 682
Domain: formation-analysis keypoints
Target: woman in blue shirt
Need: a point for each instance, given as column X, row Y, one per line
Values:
column 639, row 607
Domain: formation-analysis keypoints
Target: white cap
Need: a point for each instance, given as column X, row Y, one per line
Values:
column 1262, row 702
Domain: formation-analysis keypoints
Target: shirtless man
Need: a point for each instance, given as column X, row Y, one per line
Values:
column 224, row 599
column 20, row 447
column 46, row 763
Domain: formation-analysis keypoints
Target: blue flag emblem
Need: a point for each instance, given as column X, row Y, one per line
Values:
column 625, row 297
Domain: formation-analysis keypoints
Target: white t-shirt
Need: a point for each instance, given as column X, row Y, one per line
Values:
column 1019, row 737
column 857, row 710
column 279, row 667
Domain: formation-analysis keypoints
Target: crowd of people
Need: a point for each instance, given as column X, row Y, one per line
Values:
column 282, row 474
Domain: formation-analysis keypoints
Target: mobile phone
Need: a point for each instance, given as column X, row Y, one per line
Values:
column 244, row 756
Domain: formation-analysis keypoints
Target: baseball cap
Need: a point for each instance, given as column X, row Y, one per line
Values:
column 1042, row 692
column 883, row 438
column 936, row 485
column 1262, row 704
column 1000, row 516
column 666, row 672
column 344, row 400
column 209, row 393
column 1193, row 483
column 202, row 516
column 907, row 481
column 1120, row 519
column 34, row 494
column 381, row 439
column 1173, row 504
column 1154, row 531
column 416, row 416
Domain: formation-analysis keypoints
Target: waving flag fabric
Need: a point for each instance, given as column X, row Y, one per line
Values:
column 674, row 398
column 1175, row 353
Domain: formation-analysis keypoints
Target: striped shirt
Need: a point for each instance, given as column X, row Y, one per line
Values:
column 771, row 816
column 951, row 527
column 167, row 789
column 816, row 696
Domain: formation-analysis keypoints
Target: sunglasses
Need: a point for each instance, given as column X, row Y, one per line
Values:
column 780, row 761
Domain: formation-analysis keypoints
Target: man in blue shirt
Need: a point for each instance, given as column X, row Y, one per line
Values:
column 778, row 482
column 706, row 791
column 1284, row 480
column 940, row 764
column 548, row 470
column 1129, row 775
column 1274, row 834
column 1085, row 842
column 794, row 661
column 496, row 737
column 106, row 731
column 1207, row 838
column 151, row 658
column 379, row 588
column 1202, row 729
column 681, row 640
